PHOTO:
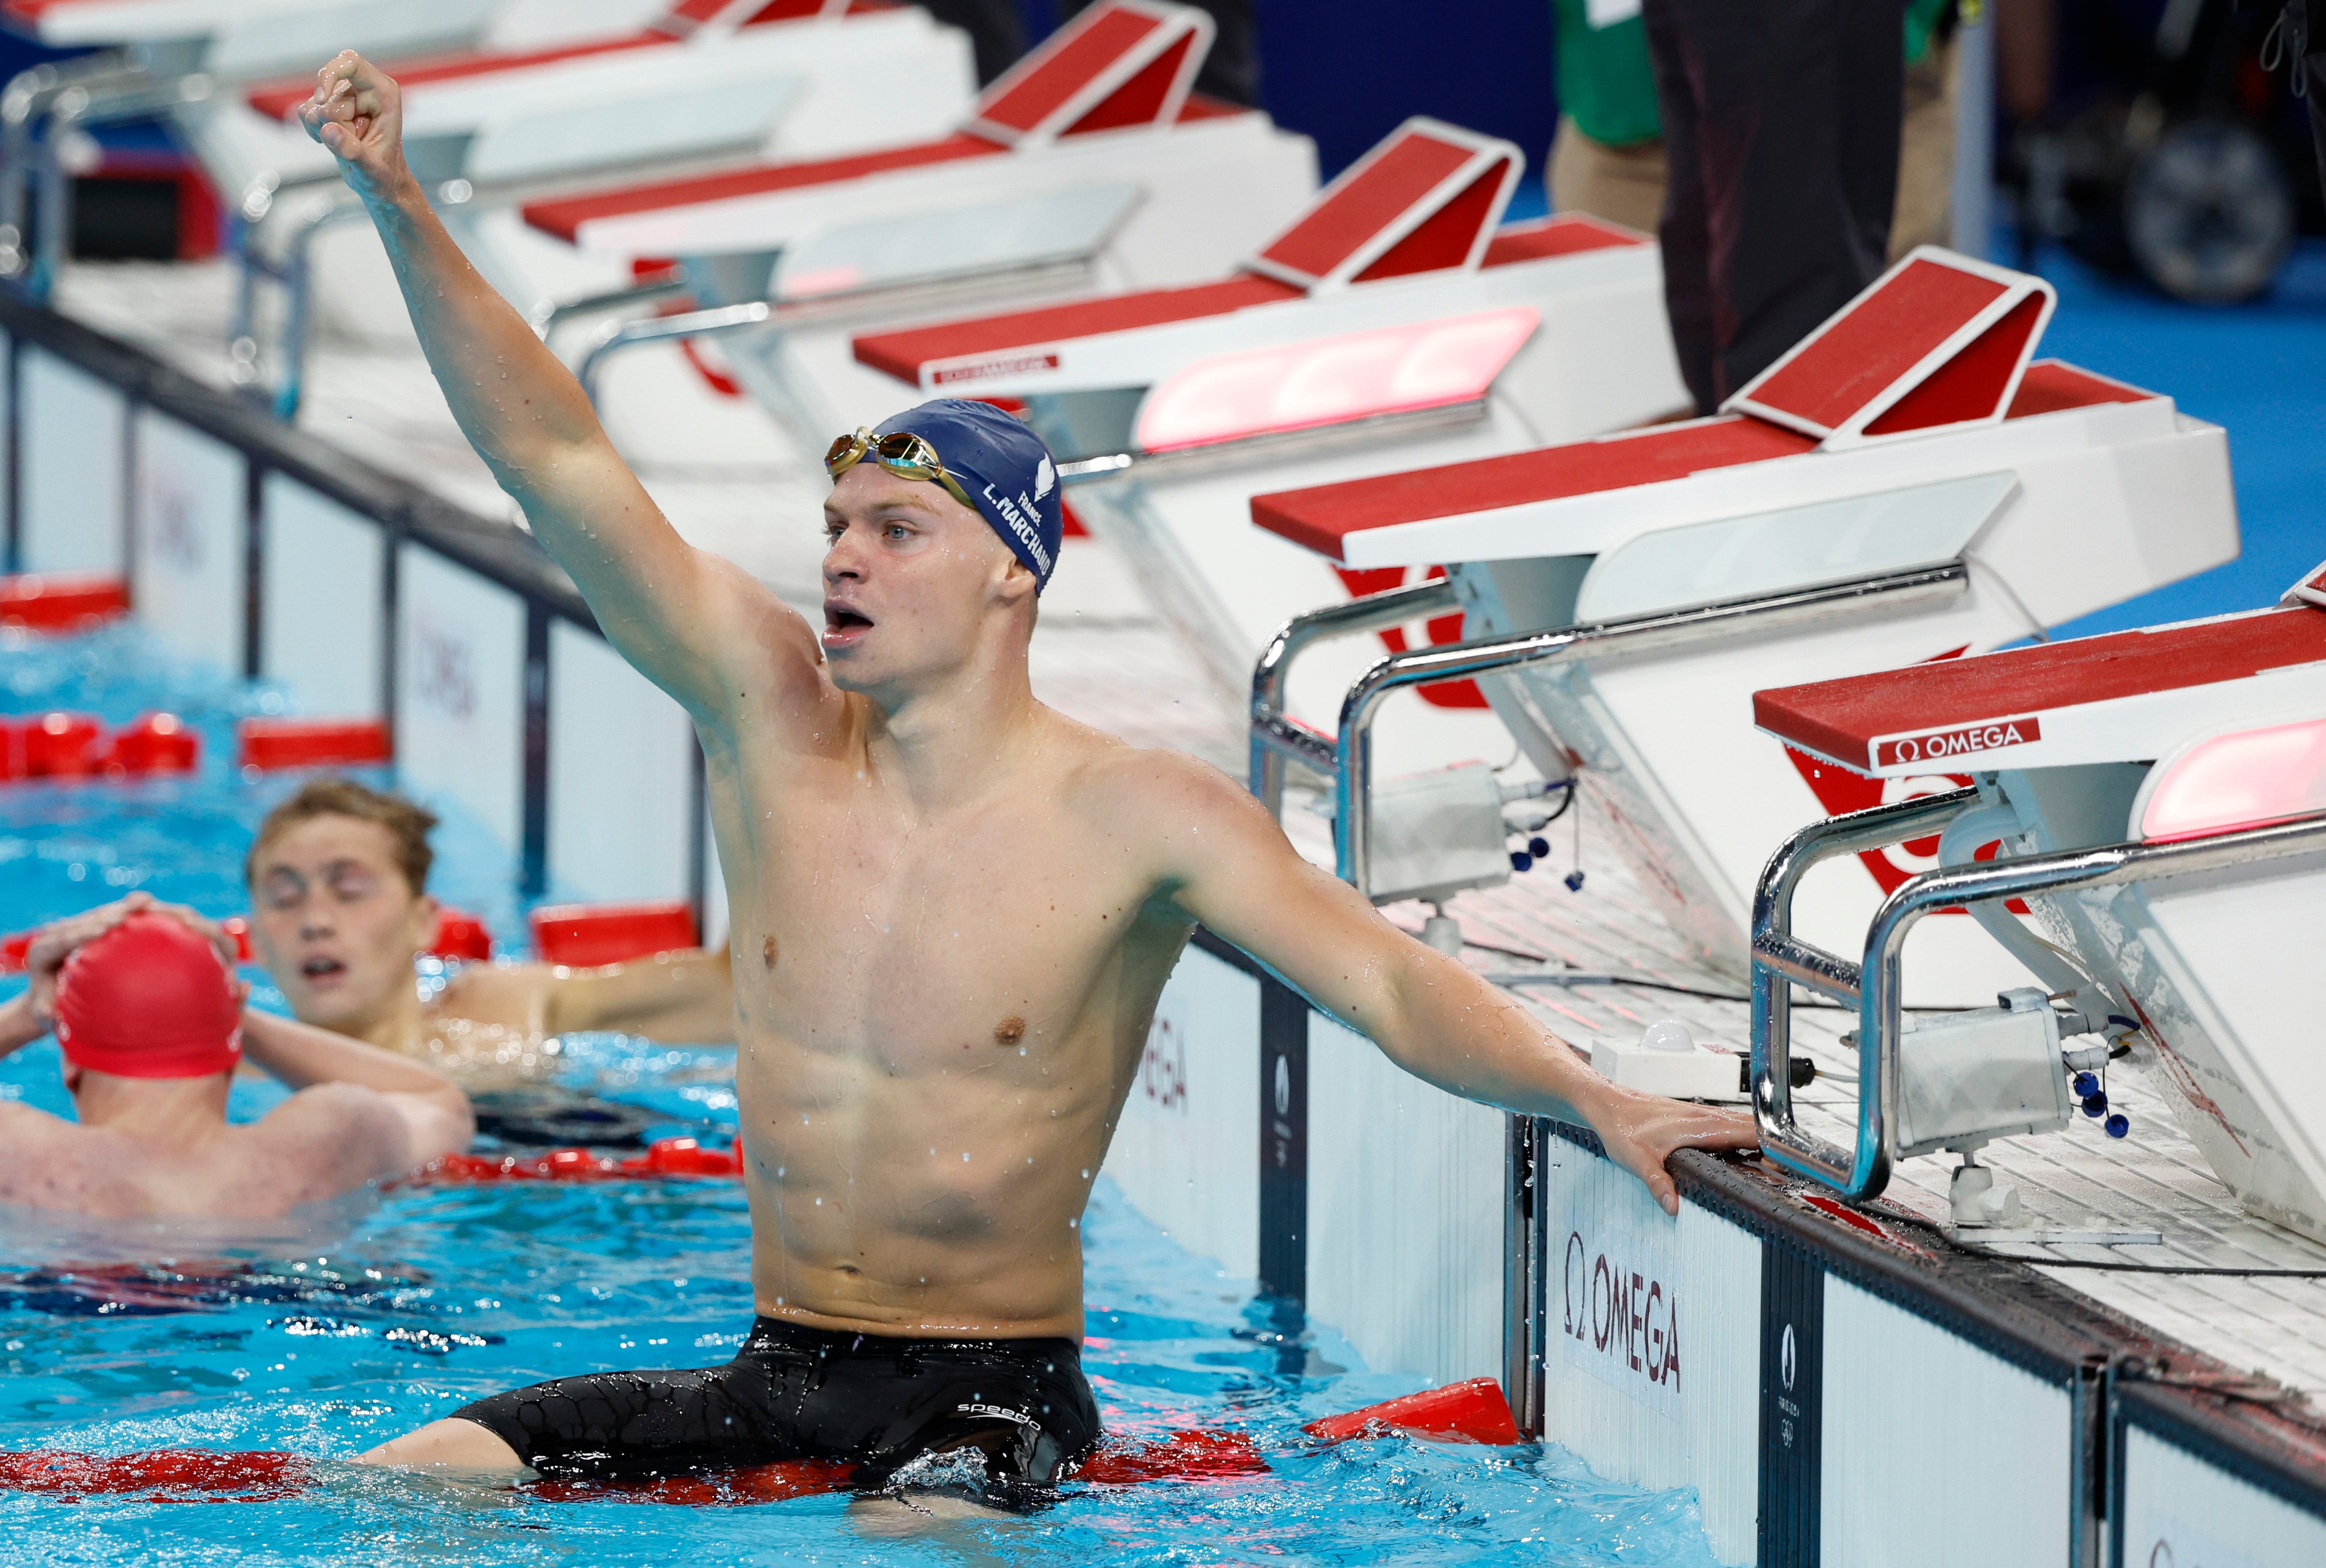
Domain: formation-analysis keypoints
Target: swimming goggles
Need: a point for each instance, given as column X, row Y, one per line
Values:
column 904, row 454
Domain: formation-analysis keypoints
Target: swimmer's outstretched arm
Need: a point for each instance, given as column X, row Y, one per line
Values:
column 1221, row 858
column 683, row 616
column 687, row 996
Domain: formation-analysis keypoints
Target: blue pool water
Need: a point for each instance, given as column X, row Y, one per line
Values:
column 395, row 1309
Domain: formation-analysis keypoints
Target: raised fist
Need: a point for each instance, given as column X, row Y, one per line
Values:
column 358, row 113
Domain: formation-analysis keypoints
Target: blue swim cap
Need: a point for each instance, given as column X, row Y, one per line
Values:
column 1004, row 467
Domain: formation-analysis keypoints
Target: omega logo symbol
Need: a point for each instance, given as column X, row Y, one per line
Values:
column 1283, row 1086
column 1785, row 1358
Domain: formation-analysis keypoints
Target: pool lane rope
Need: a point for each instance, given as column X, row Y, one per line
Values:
column 1473, row 1412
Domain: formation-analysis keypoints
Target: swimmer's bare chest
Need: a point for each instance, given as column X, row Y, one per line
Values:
column 938, row 1022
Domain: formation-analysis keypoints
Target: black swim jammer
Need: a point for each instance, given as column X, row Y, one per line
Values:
column 793, row 1392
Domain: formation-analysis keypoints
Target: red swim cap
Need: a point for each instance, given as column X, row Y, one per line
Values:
column 148, row 999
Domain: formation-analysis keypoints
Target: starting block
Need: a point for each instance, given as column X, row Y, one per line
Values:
column 1909, row 485
column 2158, row 800
column 1091, row 162
column 1394, row 321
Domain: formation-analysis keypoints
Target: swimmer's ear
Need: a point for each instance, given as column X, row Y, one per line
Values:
column 1018, row 582
column 427, row 919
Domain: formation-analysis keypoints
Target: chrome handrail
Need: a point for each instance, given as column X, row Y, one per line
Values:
column 870, row 303
column 1873, row 984
column 1631, row 635
column 1275, row 734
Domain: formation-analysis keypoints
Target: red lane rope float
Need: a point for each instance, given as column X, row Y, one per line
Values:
column 163, row 1474
column 584, row 935
column 271, row 743
column 1471, row 1412
column 66, row 745
column 664, row 1158
column 60, row 601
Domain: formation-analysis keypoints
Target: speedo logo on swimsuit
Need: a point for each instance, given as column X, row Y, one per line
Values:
column 1014, row 514
column 1020, row 1417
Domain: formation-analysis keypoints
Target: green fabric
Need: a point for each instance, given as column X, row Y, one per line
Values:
column 1605, row 80
column 1922, row 18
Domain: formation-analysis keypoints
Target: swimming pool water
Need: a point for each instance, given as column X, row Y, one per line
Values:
column 394, row 1310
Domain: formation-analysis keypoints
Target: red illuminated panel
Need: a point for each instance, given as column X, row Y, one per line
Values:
column 1069, row 63
column 1879, row 337
column 1323, row 517
column 2239, row 781
column 1331, row 380
column 1363, row 202
column 1844, row 719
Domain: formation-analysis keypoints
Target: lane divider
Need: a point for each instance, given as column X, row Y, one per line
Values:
column 1471, row 1412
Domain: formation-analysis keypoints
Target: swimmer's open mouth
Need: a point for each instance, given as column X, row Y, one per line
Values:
column 841, row 622
column 319, row 969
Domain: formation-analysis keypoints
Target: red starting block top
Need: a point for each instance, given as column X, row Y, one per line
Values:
column 1325, row 516
column 1093, row 75
column 691, row 19
column 1428, row 197
column 1955, row 709
column 978, row 342
column 1939, row 340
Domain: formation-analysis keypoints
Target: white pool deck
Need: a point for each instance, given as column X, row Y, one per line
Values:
column 2225, row 1284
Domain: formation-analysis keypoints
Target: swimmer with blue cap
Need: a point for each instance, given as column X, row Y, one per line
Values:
column 953, row 910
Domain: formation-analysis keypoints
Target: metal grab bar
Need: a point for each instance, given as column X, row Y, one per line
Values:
column 1778, row 956
column 1275, row 734
column 1660, row 629
column 872, row 302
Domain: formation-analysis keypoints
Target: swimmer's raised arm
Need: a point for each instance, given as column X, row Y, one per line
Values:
column 1224, row 862
column 426, row 1115
column 682, row 616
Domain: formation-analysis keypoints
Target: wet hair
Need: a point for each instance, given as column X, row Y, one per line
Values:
column 407, row 824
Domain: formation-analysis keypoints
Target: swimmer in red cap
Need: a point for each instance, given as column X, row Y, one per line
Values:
column 151, row 1021
column 954, row 907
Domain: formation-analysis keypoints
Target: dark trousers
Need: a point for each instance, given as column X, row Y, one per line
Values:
column 1780, row 125
column 997, row 29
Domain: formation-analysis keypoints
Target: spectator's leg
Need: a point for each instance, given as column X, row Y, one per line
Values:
column 1926, row 152
column 1800, row 103
column 1623, row 185
column 1684, row 227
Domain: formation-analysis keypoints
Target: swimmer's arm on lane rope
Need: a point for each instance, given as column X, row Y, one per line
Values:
column 684, row 998
column 687, row 619
column 424, row 1111
column 1227, row 865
